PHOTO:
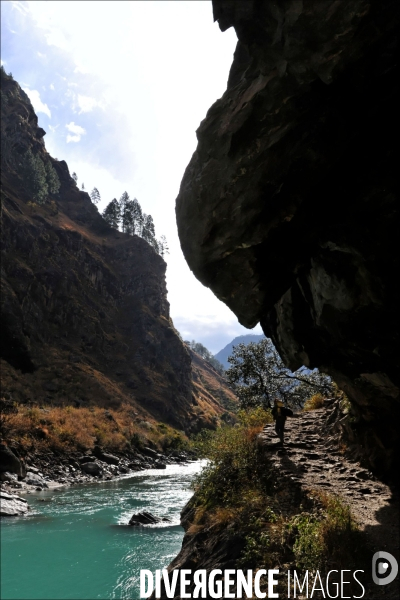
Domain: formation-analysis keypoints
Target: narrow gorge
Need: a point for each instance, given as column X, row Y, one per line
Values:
column 87, row 336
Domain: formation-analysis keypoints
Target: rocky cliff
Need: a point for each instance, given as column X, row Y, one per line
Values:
column 84, row 311
column 287, row 210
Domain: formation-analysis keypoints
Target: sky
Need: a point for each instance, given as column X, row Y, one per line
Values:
column 120, row 89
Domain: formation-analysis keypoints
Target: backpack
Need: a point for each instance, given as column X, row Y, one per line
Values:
column 287, row 412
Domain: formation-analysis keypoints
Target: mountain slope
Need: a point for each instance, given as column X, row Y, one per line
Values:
column 84, row 311
column 223, row 354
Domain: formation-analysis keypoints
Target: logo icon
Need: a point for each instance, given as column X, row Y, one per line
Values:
column 384, row 568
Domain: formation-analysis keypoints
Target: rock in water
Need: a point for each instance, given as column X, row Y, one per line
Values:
column 12, row 505
column 146, row 518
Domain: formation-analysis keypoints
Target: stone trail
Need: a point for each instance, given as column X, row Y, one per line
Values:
column 311, row 460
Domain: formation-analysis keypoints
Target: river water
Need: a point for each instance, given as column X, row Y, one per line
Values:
column 73, row 543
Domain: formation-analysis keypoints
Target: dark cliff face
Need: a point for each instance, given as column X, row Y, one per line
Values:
column 287, row 210
column 84, row 311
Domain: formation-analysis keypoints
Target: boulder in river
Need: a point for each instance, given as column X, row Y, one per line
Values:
column 146, row 518
column 159, row 465
column 92, row 468
column 12, row 505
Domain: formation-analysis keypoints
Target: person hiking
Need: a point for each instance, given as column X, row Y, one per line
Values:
column 279, row 413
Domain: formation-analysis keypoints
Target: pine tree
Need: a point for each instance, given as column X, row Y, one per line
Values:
column 163, row 246
column 95, row 196
column 83, row 186
column 137, row 215
column 148, row 232
column 33, row 172
column 128, row 217
column 74, row 176
column 52, row 179
column 125, row 212
column 112, row 214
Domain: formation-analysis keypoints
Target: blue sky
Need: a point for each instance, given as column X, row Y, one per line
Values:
column 120, row 88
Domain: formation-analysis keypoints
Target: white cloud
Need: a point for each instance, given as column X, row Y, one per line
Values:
column 86, row 104
column 80, row 68
column 38, row 105
column 51, row 86
column 20, row 7
column 40, row 55
column 77, row 132
column 57, row 38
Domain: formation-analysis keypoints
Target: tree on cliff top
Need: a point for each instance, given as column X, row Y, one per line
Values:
column 259, row 375
column 127, row 214
column 112, row 213
column 95, row 196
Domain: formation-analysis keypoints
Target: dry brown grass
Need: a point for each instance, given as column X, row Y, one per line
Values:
column 68, row 428
column 316, row 401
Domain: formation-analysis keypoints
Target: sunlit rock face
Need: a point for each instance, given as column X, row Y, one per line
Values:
column 287, row 210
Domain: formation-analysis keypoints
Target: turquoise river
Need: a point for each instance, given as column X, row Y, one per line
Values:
column 75, row 542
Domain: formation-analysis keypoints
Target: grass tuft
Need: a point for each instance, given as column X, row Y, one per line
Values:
column 316, row 401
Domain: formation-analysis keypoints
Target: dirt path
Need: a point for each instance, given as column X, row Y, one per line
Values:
column 310, row 459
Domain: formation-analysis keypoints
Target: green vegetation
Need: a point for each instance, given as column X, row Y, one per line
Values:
column 236, row 462
column 40, row 179
column 95, row 196
column 206, row 354
column 127, row 214
column 328, row 539
column 259, row 375
column 240, row 490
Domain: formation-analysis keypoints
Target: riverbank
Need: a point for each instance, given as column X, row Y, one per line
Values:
column 48, row 470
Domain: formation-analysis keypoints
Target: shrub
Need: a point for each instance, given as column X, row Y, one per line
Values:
column 329, row 540
column 257, row 417
column 236, row 465
column 316, row 401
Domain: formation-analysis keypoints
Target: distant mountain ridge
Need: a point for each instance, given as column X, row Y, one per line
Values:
column 223, row 354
